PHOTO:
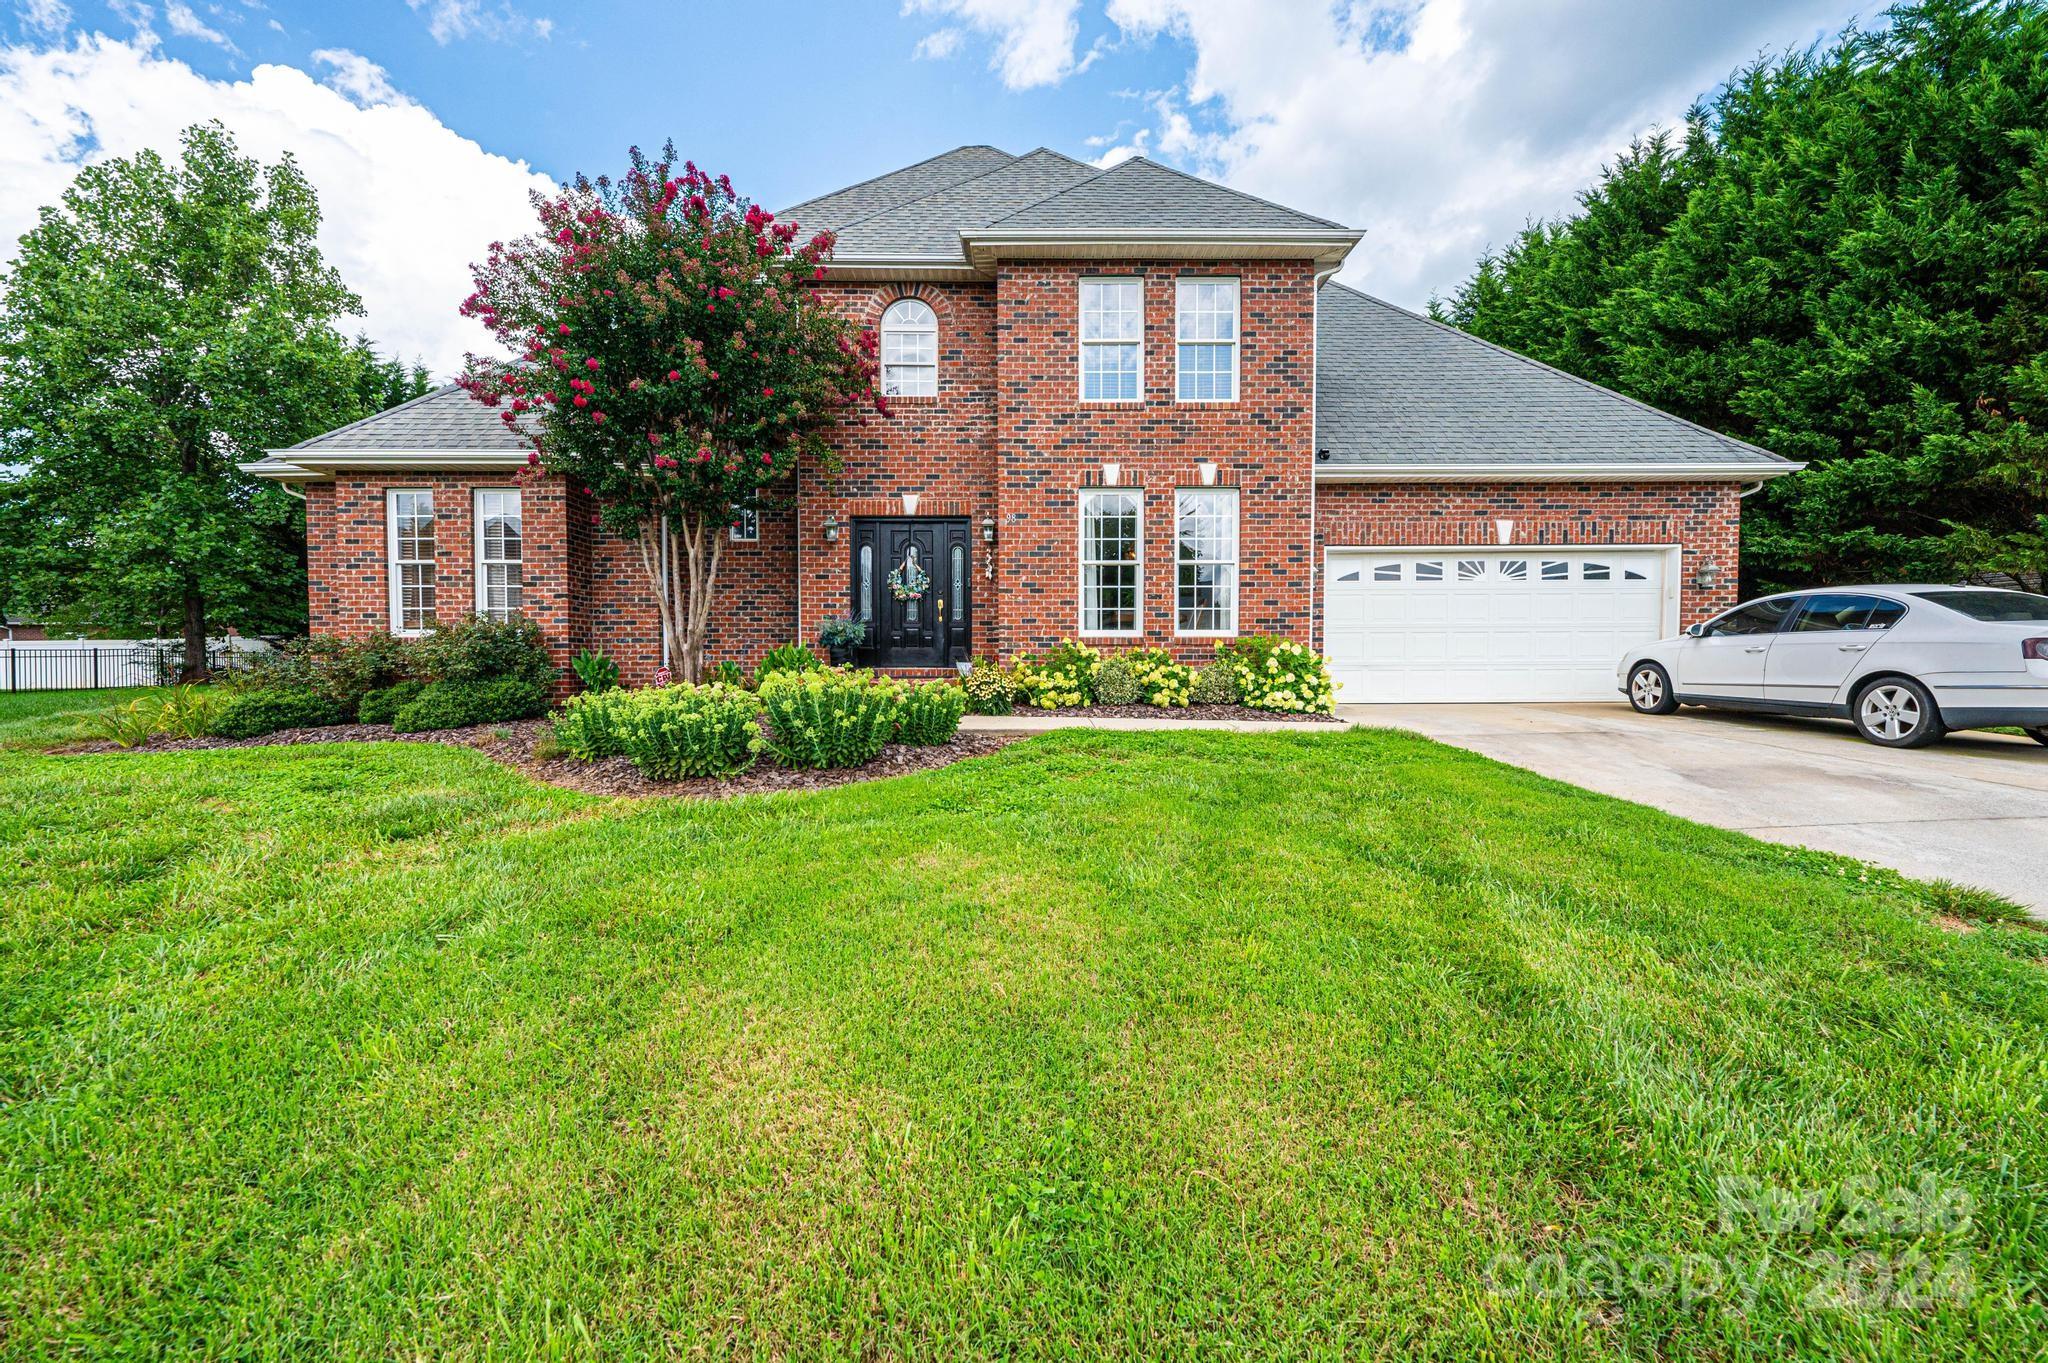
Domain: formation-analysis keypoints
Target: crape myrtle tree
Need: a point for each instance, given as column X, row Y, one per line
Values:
column 672, row 359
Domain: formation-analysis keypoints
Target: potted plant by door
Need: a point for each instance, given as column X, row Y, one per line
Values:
column 841, row 635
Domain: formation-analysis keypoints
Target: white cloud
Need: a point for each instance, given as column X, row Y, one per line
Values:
column 940, row 44
column 138, row 15
column 356, row 76
column 46, row 17
column 1034, row 39
column 406, row 202
column 1439, row 126
column 448, row 20
column 187, row 24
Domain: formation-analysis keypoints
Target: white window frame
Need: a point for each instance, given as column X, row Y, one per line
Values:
column 746, row 528
column 1234, row 562
column 393, row 563
column 476, row 507
column 1084, row 345
column 932, row 330
column 1090, row 495
column 1182, row 287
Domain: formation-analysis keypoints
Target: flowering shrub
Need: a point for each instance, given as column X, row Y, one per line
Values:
column 1159, row 679
column 830, row 718
column 930, row 714
column 1215, row 684
column 588, row 726
column 1066, row 677
column 671, row 732
column 990, row 690
column 1278, row 674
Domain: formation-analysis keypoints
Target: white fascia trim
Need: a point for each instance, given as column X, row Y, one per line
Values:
column 300, row 465
column 1672, row 472
column 1032, row 236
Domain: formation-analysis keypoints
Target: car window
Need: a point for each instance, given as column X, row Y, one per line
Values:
column 1832, row 611
column 1758, row 617
column 2023, row 607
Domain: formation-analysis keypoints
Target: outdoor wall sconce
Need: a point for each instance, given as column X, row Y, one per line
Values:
column 831, row 528
column 988, row 529
column 1707, row 577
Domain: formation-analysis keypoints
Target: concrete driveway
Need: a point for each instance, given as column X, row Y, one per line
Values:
column 1972, row 809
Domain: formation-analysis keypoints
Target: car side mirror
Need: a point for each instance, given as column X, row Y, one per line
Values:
column 1697, row 631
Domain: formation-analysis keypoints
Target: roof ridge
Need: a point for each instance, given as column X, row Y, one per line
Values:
column 1011, row 164
column 1171, row 170
column 379, row 413
column 875, row 179
column 1535, row 363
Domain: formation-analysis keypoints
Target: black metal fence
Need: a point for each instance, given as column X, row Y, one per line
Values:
column 87, row 666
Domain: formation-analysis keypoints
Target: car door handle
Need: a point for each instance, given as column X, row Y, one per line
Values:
column 1852, row 648
column 1756, row 648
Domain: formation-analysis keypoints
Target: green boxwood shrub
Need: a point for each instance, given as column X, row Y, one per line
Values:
column 382, row 705
column 1215, row 684
column 251, row 714
column 990, row 690
column 458, row 705
column 831, row 718
column 929, row 714
column 671, row 732
column 1278, row 674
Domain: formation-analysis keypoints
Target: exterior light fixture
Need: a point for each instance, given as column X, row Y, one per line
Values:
column 1707, row 578
column 988, row 529
column 831, row 528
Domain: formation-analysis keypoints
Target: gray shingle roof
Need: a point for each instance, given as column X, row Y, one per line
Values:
column 445, row 419
column 1396, row 388
column 843, row 206
column 1142, row 194
column 931, row 224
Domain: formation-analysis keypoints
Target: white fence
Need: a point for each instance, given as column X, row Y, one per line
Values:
column 92, row 664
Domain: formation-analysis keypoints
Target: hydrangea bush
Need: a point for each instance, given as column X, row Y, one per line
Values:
column 1066, row 677
column 1160, row 680
column 1278, row 674
column 990, row 689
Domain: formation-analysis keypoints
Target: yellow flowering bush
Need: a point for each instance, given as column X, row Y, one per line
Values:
column 1161, row 680
column 1278, row 674
column 1066, row 676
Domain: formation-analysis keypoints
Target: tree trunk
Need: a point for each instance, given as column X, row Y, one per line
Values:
column 682, row 567
column 193, row 668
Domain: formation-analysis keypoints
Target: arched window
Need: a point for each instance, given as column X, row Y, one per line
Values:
column 910, row 350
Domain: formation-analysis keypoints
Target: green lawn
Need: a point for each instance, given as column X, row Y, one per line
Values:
column 1137, row 1045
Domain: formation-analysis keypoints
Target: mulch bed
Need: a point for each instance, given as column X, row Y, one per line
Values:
column 512, row 744
column 1178, row 712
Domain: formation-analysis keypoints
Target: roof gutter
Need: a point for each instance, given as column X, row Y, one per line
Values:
column 301, row 465
column 1677, row 471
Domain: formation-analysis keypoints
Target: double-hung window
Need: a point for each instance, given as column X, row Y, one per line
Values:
column 746, row 527
column 1112, row 340
column 498, row 553
column 1205, row 328
column 1111, row 563
column 409, row 539
column 1205, row 545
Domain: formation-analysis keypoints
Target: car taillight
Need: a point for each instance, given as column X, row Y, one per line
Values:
column 2034, row 650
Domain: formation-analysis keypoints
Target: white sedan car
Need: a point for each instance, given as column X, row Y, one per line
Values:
column 1904, row 664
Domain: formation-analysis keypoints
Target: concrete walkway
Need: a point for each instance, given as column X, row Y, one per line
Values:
column 1972, row 808
column 1024, row 722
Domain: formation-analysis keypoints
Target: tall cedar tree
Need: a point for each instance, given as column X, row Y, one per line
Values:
column 673, row 361
column 159, row 325
column 1843, row 259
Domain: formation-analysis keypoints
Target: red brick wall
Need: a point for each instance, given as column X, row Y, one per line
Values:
column 1050, row 445
column 941, row 449
column 1702, row 518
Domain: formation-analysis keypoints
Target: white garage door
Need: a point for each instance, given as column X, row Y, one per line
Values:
column 1487, row 625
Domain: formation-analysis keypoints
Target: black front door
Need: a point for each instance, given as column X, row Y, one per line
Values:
column 930, row 626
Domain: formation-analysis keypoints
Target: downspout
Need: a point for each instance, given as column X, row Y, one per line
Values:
column 1753, row 487
column 1315, row 402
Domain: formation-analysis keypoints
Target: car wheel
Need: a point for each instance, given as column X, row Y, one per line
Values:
column 1898, row 713
column 2039, row 735
column 1649, row 690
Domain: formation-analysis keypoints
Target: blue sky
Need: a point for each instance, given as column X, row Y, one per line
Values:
column 1439, row 126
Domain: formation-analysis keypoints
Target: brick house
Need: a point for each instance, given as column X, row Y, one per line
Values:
column 1129, row 406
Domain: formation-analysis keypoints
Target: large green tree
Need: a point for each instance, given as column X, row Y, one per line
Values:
column 1843, row 258
column 162, row 323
